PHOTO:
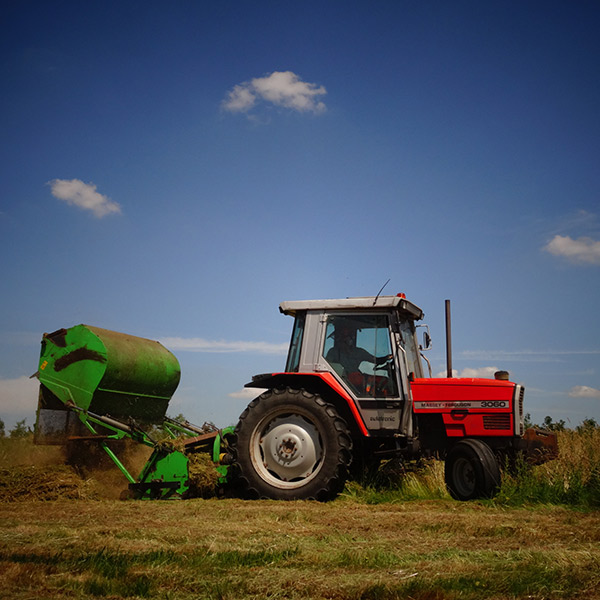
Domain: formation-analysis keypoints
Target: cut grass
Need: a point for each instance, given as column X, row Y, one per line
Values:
column 237, row 549
column 399, row 536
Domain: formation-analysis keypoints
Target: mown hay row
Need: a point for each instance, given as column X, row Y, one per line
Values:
column 203, row 476
column 24, row 484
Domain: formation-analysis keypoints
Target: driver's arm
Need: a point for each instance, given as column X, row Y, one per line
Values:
column 379, row 362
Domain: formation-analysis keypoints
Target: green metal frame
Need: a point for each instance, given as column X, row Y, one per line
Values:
column 167, row 470
column 171, row 426
column 95, row 372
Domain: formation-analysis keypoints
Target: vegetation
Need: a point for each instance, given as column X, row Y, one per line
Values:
column 234, row 549
column 394, row 535
column 20, row 429
column 572, row 480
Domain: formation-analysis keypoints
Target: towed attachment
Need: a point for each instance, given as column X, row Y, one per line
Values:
column 109, row 373
column 97, row 386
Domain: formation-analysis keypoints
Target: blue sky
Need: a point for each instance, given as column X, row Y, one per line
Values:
column 176, row 170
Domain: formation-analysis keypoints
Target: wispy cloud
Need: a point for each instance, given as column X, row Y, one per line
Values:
column 583, row 250
column 485, row 372
column 583, row 391
column 18, row 398
column 582, row 221
column 247, row 393
column 83, row 195
column 221, row 346
column 524, row 355
column 280, row 88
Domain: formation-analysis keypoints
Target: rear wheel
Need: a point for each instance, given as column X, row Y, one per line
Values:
column 291, row 445
column 472, row 471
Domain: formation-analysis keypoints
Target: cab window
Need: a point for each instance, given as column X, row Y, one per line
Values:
column 411, row 347
column 358, row 348
column 293, row 361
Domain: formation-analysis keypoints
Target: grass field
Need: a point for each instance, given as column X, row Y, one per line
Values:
column 265, row 549
column 65, row 537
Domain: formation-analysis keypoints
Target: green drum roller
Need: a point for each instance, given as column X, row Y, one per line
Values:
column 107, row 373
column 99, row 387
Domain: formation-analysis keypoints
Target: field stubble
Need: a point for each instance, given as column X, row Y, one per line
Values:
column 61, row 536
column 232, row 548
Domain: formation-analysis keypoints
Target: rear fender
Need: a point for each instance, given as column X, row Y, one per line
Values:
column 324, row 384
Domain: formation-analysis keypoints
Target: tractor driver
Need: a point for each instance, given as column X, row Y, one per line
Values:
column 346, row 353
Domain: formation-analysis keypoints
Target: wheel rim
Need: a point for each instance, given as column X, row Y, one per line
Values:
column 287, row 450
column 464, row 477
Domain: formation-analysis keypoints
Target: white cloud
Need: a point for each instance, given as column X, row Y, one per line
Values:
column 583, row 391
column 18, row 399
column 580, row 250
column 485, row 372
column 83, row 195
column 524, row 355
column 281, row 88
column 247, row 393
column 202, row 345
column 239, row 99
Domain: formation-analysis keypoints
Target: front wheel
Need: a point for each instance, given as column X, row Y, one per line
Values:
column 472, row 471
column 292, row 445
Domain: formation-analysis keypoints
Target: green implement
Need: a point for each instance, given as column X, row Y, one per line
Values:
column 99, row 387
column 109, row 373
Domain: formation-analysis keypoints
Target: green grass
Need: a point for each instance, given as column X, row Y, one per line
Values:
column 573, row 479
column 395, row 535
column 129, row 574
column 233, row 549
column 398, row 482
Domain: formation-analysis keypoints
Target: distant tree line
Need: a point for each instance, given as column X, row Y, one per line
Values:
column 560, row 425
column 20, row 430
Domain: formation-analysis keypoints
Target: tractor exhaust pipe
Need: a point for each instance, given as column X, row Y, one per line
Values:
column 448, row 341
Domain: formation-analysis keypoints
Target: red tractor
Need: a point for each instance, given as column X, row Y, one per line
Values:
column 353, row 393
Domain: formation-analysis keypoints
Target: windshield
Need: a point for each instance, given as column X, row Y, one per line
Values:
column 293, row 361
column 411, row 347
column 358, row 348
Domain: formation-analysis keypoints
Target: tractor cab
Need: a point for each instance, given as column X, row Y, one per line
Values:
column 369, row 346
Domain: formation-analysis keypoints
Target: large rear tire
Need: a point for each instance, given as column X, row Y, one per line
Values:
column 472, row 471
column 292, row 445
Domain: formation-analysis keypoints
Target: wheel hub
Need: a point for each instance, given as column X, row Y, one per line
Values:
column 290, row 448
column 465, row 476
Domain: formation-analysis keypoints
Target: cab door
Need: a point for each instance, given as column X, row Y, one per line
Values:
column 362, row 353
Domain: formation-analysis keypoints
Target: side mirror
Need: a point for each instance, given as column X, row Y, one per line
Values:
column 426, row 340
column 426, row 345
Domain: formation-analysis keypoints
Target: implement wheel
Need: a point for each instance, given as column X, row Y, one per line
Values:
column 292, row 445
column 472, row 471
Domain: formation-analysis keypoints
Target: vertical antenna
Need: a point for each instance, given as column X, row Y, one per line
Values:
column 379, row 292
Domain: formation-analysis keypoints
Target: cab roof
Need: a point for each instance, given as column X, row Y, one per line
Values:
column 360, row 303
